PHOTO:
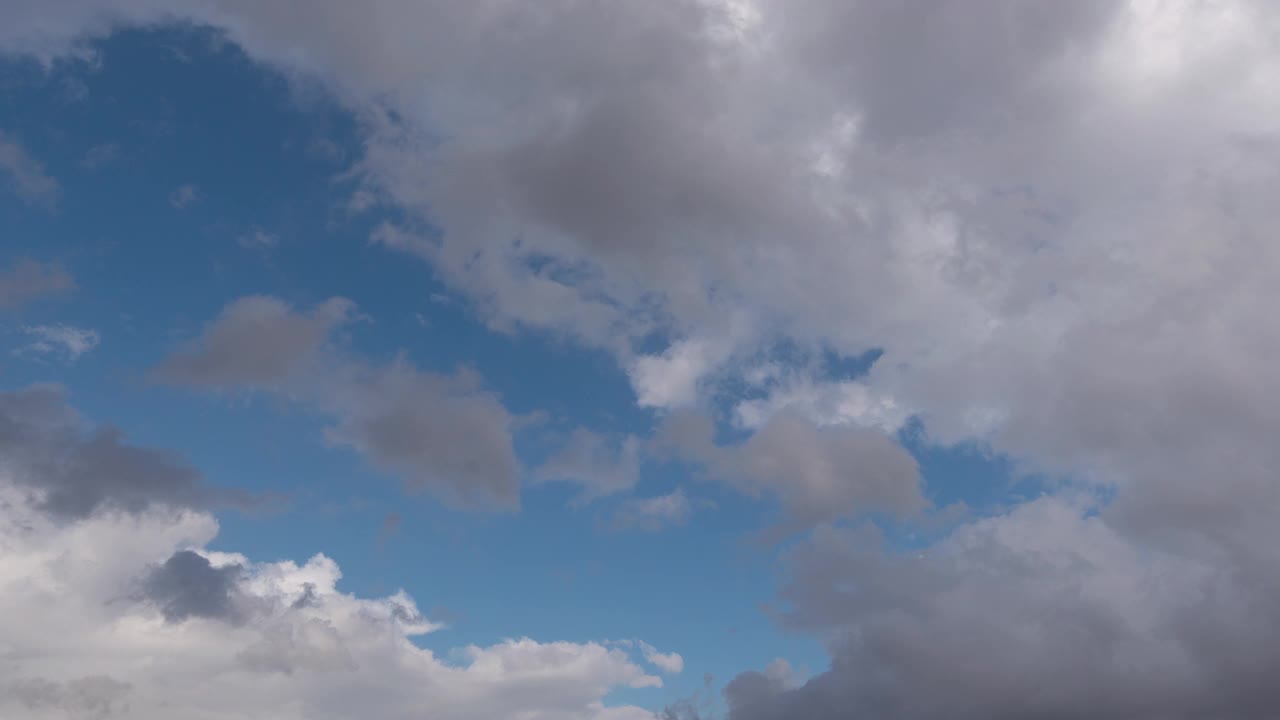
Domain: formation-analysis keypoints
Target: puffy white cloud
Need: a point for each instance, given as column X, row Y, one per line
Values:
column 123, row 611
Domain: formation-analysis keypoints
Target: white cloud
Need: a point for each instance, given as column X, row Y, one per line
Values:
column 82, row 636
column 64, row 341
column 666, row 662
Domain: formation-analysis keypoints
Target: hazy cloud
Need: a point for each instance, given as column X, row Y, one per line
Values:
column 66, row 341
column 27, row 280
column 601, row 465
column 25, row 176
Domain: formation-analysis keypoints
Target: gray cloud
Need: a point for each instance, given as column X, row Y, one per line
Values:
column 28, row 280
column 441, row 433
column 187, row 585
column 25, row 175
column 93, row 696
column 1049, row 611
column 819, row 474
column 46, row 448
column 599, row 464
column 1054, row 219
column 255, row 341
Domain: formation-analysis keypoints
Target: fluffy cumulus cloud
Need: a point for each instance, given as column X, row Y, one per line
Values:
column 1054, row 220
column 119, row 609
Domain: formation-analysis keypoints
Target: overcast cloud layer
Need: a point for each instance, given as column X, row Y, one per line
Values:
column 1054, row 219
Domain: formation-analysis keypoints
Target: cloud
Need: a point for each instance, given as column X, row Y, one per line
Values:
column 71, row 470
column 187, row 585
column 255, row 341
column 670, row 663
column 441, row 433
column 28, row 280
column 258, row 240
column 600, row 465
column 819, row 474
column 150, row 623
column 652, row 514
column 65, row 340
column 25, row 176
column 93, row 696
column 1050, row 610
column 1054, row 220
column 183, row 195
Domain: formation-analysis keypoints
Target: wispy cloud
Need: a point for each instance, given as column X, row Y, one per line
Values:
column 59, row 341
column 25, row 175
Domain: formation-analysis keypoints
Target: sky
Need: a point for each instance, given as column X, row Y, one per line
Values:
column 683, row 360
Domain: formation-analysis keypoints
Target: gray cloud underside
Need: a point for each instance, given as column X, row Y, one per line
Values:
column 75, row 470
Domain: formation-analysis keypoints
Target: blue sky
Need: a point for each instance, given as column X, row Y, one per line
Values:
column 621, row 330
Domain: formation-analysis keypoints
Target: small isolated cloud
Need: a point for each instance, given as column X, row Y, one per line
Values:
column 25, row 176
column 258, row 240
column 28, row 280
column 652, row 514
column 255, row 341
column 599, row 464
column 60, row 341
column 100, row 155
column 670, row 663
column 184, row 195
